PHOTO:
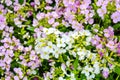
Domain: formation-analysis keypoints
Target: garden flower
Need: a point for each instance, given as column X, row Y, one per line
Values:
column 17, row 21
column 96, row 68
column 8, row 2
column 87, row 70
column 16, row 6
column 51, row 21
column 115, row 17
column 35, row 22
column 108, row 32
column 102, row 11
column 111, row 45
column 37, row 2
column 16, row 78
column 48, row 8
column 7, row 59
column 118, row 48
column 40, row 16
column 95, row 40
column 118, row 7
column 2, row 22
column 59, row 39
column 99, row 46
column 32, row 4
column 77, row 26
column 49, row 1
column 32, row 55
column 105, row 72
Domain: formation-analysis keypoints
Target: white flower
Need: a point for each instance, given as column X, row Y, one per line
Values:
column 35, row 22
column 17, row 21
column 44, row 55
column 88, row 40
column 72, row 76
column 81, row 54
column 75, row 35
column 60, row 42
column 87, row 70
column 96, row 68
column 56, row 52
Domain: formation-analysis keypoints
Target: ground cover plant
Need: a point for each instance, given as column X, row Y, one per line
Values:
column 59, row 39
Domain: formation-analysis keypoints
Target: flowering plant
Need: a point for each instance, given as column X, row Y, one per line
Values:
column 59, row 39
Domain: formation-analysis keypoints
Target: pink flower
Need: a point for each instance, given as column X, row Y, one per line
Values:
column 118, row 48
column 95, row 40
column 115, row 17
column 2, row 22
column 16, row 6
column 105, row 72
column 108, row 32
column 118, row 7
column 55, row 24
column 102, row 11
column 111, row 45
column 7, row 59
column 32, row 55
column 2, row 19
column 101, row 54
column 40, row 16
column 99, row 2
column 49, row 1
column 7, row 78
column 99, row 46
column 77, row 26
column 48, row 8
column 32, row 4
column 16, row 78
column 51, row 21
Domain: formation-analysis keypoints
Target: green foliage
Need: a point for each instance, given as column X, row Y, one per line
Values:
column 79, row 17
column 106, row 21
column 21, row 1
column 75, row 63
column 44, row 22
column 30, row 28
column 116, row 26
column 82, row 77
column 117, row 70
column 63, row 28
column 15, row 64
column 111, row 6
column 58, row 72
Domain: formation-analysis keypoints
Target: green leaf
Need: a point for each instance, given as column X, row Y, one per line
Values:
column 21, row 1
column 117, row 70
column 79, row 17
column 111, row 7
column 75, row 64
column 116, row 26
column 30, row 28
column 82, row 77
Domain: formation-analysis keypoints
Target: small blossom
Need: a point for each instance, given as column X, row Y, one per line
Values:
column 115, row 17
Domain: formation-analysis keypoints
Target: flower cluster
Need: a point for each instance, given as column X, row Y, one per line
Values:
column 59, row 39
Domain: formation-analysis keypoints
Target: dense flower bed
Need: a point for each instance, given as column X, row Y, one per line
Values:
column 59, row 39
